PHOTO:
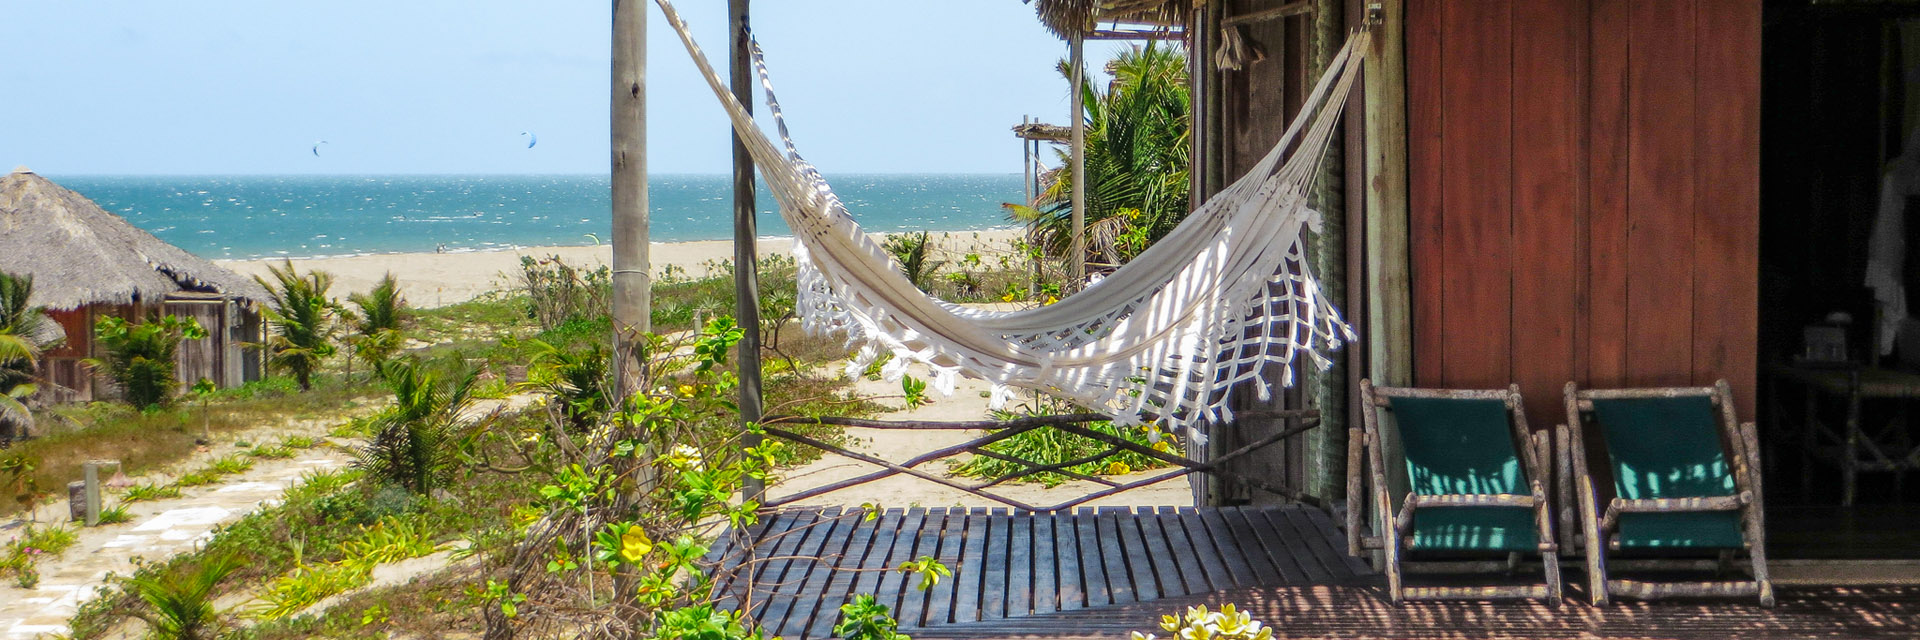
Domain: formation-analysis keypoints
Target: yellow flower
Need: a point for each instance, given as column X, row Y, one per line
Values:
column 1050, row 300
column 634, row 545
column 686, row 390
column 1007, row 298
column 1162, row 446
column 1118, row 468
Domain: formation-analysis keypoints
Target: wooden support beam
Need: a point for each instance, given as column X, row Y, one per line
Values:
column 1296, row 8
column 1077, row 249
column 1389, row 326
column 746, row 259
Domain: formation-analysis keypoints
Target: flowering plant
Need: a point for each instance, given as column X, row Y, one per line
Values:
column 1201, row 624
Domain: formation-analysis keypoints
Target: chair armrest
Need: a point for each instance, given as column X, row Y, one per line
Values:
column 1673, row 505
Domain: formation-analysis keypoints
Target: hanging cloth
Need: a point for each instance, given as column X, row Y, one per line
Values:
column 1166, row 338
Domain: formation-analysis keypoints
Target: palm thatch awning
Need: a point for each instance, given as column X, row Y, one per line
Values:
column 1066, row 18
column 80, row 254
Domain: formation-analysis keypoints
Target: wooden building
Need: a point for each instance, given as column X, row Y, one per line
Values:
column 1572, row 190
column 88, row 263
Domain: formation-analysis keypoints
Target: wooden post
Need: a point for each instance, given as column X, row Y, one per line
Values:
column 746, row 259
column 631, row 281
column 1389, row 306
column 1077, row 251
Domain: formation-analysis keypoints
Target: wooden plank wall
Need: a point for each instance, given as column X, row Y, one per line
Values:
column 1584, row 194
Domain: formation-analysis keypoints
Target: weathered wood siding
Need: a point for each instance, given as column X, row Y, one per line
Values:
column 1584, row 194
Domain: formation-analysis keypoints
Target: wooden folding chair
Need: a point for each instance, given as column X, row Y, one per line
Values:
column 1685, row 477
column 1478, row 485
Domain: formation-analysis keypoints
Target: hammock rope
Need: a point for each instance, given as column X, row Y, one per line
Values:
column 1166, row 338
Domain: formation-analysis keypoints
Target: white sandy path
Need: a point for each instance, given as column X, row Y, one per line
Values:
column 438, row 279
column 159, row 530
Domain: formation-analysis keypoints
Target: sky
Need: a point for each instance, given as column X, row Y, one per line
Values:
column 98, row 87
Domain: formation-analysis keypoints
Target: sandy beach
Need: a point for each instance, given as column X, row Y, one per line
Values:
column 438, row 279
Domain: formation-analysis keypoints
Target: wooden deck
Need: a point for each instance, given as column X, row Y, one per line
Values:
column 1102, row 573
column 1013, row 568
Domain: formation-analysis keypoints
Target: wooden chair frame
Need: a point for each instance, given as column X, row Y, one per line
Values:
column 1598, row 530
column 1534, row 450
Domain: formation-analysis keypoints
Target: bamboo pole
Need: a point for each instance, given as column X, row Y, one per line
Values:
column 1077, row 252
column 631, row 306
column 746, row 259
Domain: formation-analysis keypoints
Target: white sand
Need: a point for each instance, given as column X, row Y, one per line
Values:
column 438, row 279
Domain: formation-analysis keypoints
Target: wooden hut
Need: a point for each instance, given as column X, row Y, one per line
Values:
column 1572, row 190
column 88, row 263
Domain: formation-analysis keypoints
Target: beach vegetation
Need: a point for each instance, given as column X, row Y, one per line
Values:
column 149, row 491
column 557, row 292
column 412, row 444
column 140, row 355
column 180, row 606
column 116, row 514
column 913, row 254
column 1137, row 157
column 301, row 320
column 1053, row 446
column 376, row 319
column 24, row 334
column 575, row 381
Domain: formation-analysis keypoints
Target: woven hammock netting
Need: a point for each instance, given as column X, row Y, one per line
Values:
column 1166, row 339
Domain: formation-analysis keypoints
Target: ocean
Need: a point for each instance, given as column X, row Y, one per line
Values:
column 317, row 216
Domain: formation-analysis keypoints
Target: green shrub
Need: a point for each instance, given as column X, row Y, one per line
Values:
column 199, row 478
column 140, row 356
column 301, row 321
column 145, row 492
column 115, row 514
column 272, row 452
column 298, row 442
column 181, row 605
column 230, row 465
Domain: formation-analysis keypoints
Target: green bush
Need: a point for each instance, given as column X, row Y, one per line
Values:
column 140, row 356
column 301, row 321
column 145, row 492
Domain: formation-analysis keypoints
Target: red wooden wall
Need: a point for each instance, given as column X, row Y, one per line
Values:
column 1584, row 194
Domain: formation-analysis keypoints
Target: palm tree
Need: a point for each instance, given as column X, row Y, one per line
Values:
column 140, row 356
column 376, row 323
column 182, row 605
column 302, row 321
column 24, row 333
column 411, row 444
column 1136, row 160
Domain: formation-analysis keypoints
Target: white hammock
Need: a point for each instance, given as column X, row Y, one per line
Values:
column 1166, row 337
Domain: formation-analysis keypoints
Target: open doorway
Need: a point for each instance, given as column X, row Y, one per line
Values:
column 1840, row 206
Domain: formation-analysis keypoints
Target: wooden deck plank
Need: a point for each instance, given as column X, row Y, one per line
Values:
column 1093, row 568
column 1046, row 587
column 1326, row 548
column 1266, row 567
column 1020, row 560
column 1066, row 552
column 1205, row 552
column 940, row 598
column 820, row 572
column 1134, row 552
column 894, row 585
column 993, row 599
column 840, row 587
column 1231, row 557
column 728, row 585
column 1113, row 556
column 1193, row 578
column 970, row 573
column 1166, row 566
column 771, row 572
column 885, row 533
column 913, row 605
column 790, row 587
column 1297, row 544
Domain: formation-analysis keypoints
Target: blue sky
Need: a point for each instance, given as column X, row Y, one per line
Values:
column 204, row 87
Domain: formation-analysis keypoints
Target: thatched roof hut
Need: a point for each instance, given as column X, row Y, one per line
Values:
column 1068, row 17
column 88, row 263
column 81, row 254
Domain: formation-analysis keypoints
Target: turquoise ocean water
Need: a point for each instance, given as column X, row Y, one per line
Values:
column 307, row 216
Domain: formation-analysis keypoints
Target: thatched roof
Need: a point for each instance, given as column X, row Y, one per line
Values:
column 80, row 254
column 1067, row 17
column 1042, row 131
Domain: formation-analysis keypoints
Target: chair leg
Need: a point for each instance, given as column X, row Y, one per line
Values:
column 1595, row 547
column 1551, row 560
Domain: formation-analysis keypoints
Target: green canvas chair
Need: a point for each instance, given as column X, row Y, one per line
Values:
column 1477, row 482
column 1684, row 479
